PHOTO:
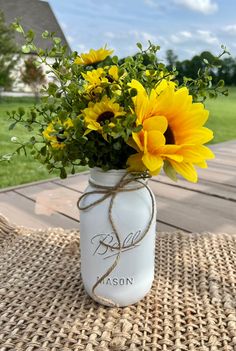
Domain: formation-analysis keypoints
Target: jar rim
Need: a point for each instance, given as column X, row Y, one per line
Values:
column 111, row 177
column 110, row 171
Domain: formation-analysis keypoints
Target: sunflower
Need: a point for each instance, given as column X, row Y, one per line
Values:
column 94, row 80
column 93, row 56
column 57, row 132
column 96, row 114
column 184, row 134
column 113, row 73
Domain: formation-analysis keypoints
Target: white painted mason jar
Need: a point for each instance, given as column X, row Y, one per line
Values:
column 113, row 273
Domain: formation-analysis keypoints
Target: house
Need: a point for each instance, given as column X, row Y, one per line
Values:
column 36, row 15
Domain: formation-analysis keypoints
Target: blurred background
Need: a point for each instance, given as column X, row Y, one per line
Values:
column 187, row 31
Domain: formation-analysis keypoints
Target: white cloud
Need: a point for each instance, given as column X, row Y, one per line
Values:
column 207, row 37
column 186, row 34
column 202, row 36
column 144, row 36
column 110, row 35
column 150, row 3
column 204, row 6
column 134, row 34
column 190, row 52
column 230, row 29
column 181, row 37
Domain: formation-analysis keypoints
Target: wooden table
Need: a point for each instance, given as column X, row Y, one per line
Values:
column 209, row 205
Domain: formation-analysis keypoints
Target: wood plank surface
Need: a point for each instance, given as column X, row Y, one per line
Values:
column 209, row 205
column 21, row 211
column 193, row 211
column 203, row 186
column 52, row 198
column 76, row 183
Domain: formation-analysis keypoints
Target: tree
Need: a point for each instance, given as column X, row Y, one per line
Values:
column 171, row 58
column 33, row 76
column 227, row 71
column 8, row 53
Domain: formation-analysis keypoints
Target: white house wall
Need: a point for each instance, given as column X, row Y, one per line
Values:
column 18, row 85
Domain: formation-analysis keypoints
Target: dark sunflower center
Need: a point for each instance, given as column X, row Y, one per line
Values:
column 170, row 139
column 110, row 79
column 60, row 137
column 105, row 116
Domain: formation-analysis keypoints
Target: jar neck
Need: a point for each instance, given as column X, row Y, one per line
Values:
column 110, row 178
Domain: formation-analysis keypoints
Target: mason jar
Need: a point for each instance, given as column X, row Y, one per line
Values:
column 117, row 237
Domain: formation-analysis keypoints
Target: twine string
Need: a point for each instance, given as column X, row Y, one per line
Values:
column 112, row 191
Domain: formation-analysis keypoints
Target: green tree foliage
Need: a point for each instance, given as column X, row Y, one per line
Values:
column 218, row 68
column 33, row 75
column 171, row 58
column 8, row 53
column 227, row 71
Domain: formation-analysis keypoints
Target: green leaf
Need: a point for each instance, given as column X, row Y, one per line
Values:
column 63, row 173
column 30, row 36
column 133, row 92
column 139, row 45
column 43, row 150
column 45, row 34
column 12, row 126
column 21, row 111
column 221, row 83
column 52, row 88
column 17, row 27
column 169, row 171
column 117, row 145
column 26, row 49
column 57, row 40
column 115, row 60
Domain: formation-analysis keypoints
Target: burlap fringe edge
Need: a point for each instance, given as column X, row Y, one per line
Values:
column 5, row 226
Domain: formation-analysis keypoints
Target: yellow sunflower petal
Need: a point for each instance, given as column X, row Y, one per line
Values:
column 196, row 153
column 113, row 72
column 187, row 170
column 138, row 86
column 152, row 162
column 161, row 86
column 138, row 138
column 93, row 56
column 154, row 140
column 155, row 172
column 202, row 164
column 156, row 123
column 196, row 136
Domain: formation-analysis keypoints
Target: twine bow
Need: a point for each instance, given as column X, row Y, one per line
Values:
column 112, row 191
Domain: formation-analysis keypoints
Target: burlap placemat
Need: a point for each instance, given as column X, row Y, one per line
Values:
column 43, row 305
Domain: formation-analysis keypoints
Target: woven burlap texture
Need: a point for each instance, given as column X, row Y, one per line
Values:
column 43, row 305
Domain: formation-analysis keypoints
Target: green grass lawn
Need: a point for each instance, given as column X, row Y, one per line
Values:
column 23, row 170
column 222, row 118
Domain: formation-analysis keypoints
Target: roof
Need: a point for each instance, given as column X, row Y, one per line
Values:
column 33, row 14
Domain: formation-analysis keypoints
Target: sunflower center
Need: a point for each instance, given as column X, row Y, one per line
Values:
column 105, row 116
column 60, row 137
column 170, row 139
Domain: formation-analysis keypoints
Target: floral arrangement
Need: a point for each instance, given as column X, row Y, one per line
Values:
column 129, row 114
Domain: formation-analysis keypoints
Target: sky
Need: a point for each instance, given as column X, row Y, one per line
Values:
column 186, row 26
